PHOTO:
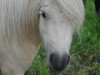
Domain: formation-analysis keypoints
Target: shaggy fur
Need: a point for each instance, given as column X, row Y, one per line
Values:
column 19, row 31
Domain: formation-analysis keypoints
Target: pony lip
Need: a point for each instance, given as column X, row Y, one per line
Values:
column 51, row 69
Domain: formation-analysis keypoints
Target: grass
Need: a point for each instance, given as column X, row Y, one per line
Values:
column 85, row 50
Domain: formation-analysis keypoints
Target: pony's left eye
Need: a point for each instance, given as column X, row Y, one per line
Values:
column 43, row 14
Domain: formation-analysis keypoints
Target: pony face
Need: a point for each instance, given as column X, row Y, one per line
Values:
column 56, row 33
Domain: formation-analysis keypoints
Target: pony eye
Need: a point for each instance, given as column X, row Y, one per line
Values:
column 43, row 14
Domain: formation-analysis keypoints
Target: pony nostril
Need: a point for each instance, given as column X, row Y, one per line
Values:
column 54, row 58
column 58, row 63
column 64, row 61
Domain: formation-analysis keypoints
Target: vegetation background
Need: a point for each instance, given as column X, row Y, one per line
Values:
column 85, row 49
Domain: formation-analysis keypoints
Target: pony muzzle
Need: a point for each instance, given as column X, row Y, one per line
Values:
column 58, row 62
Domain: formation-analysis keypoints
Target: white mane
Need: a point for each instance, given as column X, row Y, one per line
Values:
column 17, row 20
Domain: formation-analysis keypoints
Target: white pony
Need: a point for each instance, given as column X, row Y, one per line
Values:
column 23, row 21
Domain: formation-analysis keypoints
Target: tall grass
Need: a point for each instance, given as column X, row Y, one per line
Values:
column 85, row 49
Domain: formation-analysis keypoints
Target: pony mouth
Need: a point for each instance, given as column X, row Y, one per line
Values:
column 51, row 69
column 55, row 70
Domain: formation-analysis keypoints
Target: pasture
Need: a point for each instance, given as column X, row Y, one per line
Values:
column 85, row 49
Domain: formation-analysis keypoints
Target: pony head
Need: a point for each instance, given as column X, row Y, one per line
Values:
column 58, row 20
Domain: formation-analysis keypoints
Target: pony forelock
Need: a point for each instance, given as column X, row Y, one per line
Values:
column 74, row 10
